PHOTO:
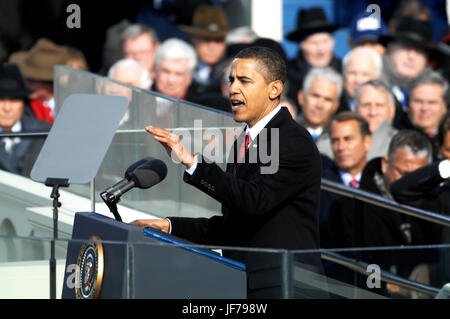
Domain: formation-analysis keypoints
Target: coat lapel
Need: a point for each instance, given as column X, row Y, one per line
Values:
column 253, row 161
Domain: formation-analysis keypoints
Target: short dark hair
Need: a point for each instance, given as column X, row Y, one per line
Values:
column 433, row 77
column 414, row 141
column 137, row 29
column 272, row 65
column 348, row 115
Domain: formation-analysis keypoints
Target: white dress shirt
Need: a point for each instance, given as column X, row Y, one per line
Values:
column 11, row 141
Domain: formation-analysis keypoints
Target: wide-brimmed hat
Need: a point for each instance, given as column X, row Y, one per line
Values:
column 208, row 22
column 38, row 63
column 310, row 21
column 410, row 31
column 11, row 82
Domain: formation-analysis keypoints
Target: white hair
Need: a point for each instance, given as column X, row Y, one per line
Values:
column 145, row 79
column 325, row 73
column 176, row 49
column 368, row 52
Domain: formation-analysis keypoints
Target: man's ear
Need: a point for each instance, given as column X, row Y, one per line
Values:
column 392, row 111
column 157, row 45
column 368, row 142
column 384, row 164
column 300, row 97
column 276, row 87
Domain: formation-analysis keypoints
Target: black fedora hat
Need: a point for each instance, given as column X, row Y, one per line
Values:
column 413, row 32
column 11, row 82
column 310, row 21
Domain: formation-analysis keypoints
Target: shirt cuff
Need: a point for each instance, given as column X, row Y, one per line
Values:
column 192, row 169
column 170, row 226
column 444, row 169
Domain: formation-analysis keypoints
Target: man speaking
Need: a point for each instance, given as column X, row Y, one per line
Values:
column 278, row 209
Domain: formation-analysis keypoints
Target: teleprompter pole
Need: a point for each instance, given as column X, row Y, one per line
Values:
column 55, row 183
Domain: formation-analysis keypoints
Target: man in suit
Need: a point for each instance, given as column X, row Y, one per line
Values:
column 360, row 224
column 428, row 188
column 428, row 105
column 260, row 208
column 207, row 35
column 17, row 154
column 375, row 102
column 319, row 100
column 351, row 141
column 370, row 225
column 175, row 63
column 314, row 36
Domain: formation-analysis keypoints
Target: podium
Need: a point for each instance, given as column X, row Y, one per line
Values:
column 145, row 264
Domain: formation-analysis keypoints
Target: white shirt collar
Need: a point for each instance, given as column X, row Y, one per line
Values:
column 258, row 127
column 11, row 141
column 347, row 177
column 315, row 132
column 17, row 127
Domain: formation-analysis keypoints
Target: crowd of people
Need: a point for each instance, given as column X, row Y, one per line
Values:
column 379, row 117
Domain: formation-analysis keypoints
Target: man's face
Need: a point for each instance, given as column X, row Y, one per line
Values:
column 445, row 147
column 251, row 97
column 141, row 49
column 209, row 51
column 408, row 61
column 320, row 102
column 11, row 110
column 349, row 147
column 427, row 106
column 318, row 49
column 402, row 162
column 173, row 77
column 360, row 69
column 374, row 105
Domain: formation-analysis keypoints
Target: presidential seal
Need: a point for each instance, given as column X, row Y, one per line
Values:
column 90, row 270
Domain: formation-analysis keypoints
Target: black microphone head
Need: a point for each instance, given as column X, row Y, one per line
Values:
column 133, row 166
column 150, row 173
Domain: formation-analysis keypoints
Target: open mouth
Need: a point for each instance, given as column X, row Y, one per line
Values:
column 236, row 104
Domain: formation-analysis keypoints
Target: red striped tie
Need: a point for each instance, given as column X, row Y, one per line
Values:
column 244, row 148
column 354, row 183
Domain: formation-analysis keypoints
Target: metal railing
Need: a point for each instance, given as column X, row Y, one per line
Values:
column 24, row 134
column 361, row 267
column 380, row 201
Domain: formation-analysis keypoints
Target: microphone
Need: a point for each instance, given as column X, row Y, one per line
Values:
column 125, row 180
column 142, row 174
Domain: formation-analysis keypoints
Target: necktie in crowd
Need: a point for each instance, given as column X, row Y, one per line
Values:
column 354, row 183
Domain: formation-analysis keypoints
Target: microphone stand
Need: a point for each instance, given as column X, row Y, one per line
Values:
column 111, row 202
column 55, row 183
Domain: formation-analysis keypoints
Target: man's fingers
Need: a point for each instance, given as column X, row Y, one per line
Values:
column 160, row 224
column 162, row 135
column 173, row 145
column 158, row 131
